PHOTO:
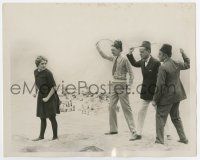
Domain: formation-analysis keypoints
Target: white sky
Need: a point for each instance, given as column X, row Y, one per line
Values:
column 66, row 35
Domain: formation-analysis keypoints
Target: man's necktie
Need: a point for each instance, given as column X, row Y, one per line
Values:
column 114, row 66
column 145, row 63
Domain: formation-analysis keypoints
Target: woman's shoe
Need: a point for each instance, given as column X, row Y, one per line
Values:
column 38, row 139
column 110, row 133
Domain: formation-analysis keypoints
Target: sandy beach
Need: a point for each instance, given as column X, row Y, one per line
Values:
column 80, row 132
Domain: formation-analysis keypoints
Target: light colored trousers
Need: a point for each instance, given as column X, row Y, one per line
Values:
column 141, row 117
column 118, row 92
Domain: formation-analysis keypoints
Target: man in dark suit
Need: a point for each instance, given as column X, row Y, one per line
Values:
column 149, row 67
column 169, row 92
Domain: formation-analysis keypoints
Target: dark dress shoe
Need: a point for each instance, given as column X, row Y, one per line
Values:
column 158, row 142
column 185, row 141
column 54, row 138
column 139, row 137
column 110, row 133
column 38, row 139
column 135, row 137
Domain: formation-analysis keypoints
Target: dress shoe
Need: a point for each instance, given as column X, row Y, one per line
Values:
column 135, row 137
column 38, row 139
column 185, row 141
column 54, row 138
column 158, row 142
column 110, row 133
column 139, row 137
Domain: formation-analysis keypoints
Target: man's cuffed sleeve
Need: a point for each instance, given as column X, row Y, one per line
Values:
column 133, row 61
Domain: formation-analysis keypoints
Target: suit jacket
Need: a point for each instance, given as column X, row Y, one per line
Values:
column 169, row 88
column 149, row 76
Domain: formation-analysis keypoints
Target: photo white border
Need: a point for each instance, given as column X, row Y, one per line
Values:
column 107, row 1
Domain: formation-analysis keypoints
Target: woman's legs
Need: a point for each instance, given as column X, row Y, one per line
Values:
column 43, row 127
column 54, row 126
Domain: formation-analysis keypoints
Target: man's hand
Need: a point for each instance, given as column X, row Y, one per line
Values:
column 97, row 46
column 45, row 99
column 131, row 50
column 153, row 103
column 128, row 88
column 182, row 51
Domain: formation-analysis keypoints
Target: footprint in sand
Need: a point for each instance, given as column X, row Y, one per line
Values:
column 20, row 138
column 29, row 149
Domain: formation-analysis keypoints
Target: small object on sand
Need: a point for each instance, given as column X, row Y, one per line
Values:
column 91, row 149
column 169, row 137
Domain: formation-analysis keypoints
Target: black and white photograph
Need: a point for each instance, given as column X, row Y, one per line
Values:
column 99, row 79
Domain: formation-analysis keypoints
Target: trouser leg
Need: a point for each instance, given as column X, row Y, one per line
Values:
column 176, row 120
column 124, row 99
column 167, row 130
column 161, row 118
column 141, row 115
column 112, row 112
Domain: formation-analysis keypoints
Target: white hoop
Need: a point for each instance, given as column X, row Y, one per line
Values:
column 140, row 46
column 106, row 39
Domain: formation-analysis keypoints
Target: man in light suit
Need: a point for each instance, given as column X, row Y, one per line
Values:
column 169, row 93
column 121, row 67
column 149, row 67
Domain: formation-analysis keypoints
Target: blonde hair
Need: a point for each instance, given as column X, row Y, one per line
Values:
column 39, row 59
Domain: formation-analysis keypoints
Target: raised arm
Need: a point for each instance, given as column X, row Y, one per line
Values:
column 130, row 72
column 110, row 58
column 186, row 64
column 132, row 59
